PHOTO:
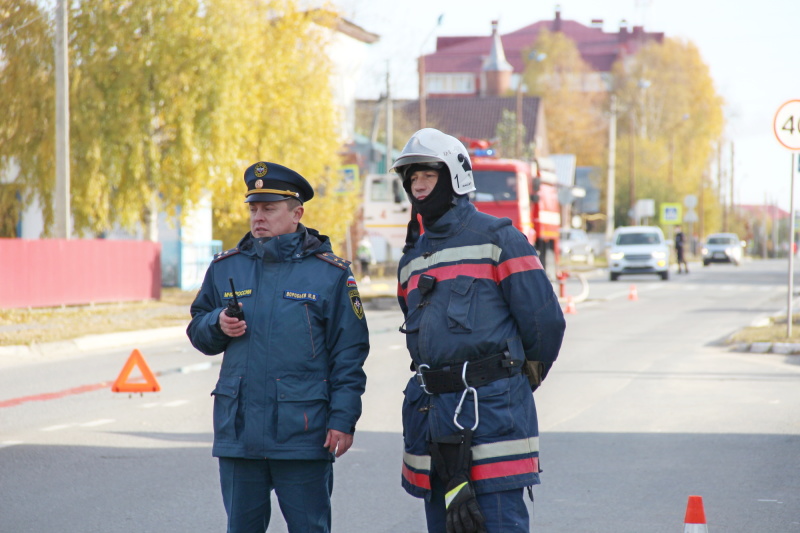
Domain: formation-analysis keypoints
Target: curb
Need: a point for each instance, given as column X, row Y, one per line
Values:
column 780, row 348
column 93, row 342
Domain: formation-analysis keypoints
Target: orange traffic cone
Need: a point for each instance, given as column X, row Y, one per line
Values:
column 570, row 309
column 695, row 521
column 633, row 294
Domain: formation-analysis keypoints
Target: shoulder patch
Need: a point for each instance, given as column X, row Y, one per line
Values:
column 227, row 253
column 335, row 260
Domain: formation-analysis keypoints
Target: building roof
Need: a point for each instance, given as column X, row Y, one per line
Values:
column 598, row 48
column 475, row 117
column 497, row 56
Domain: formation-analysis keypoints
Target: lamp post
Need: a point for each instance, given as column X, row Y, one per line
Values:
column 423, row 93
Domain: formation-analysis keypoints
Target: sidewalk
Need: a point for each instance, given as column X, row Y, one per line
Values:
column 381, row 291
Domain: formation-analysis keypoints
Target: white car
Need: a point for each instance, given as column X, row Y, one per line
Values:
column 574, row 245
column 722, row 248
column 638, row 250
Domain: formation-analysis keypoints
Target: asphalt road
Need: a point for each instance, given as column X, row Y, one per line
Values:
column 643, row 409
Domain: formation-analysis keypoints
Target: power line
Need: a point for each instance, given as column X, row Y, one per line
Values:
column 34, row 19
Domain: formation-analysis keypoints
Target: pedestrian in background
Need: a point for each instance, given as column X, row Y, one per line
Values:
column 680, row 241
column 290, row 385
column 483, row 327
column 365, row 257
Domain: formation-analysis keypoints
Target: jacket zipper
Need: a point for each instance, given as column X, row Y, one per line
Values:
column 310, row 333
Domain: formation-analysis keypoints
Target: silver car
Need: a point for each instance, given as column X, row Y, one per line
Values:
column 722, row 248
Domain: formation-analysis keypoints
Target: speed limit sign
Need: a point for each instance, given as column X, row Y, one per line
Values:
column 787, row 125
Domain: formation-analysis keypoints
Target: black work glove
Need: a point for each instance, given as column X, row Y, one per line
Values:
column 463, row 513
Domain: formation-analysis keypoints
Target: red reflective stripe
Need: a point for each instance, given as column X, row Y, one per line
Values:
column 484, row 271
column 400, row 292
column 481, row 271
column 420, row 480
column 505, row 468
column 518, row 264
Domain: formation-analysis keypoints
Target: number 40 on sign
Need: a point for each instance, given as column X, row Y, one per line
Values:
column 787, row 125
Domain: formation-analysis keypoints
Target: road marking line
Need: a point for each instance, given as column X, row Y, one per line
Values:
column 7, row 443
column 56, row 428
column 99, row 422
column 149, row 405
column 54, row 395
column 176, row 403
column 195, row 368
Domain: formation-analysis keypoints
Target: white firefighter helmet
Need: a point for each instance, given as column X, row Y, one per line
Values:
column 430, row 145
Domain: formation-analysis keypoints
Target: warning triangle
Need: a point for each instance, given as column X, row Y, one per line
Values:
column 122, row 385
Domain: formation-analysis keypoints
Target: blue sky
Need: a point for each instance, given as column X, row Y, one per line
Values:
column 747, row 45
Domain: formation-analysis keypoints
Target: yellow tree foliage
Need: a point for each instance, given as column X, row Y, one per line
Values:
column 572, row 96
column 670, row 119
column 173, row 99
column 278, row 107
column 27, row 110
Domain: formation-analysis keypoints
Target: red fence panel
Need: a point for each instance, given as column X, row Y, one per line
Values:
column 51, row 272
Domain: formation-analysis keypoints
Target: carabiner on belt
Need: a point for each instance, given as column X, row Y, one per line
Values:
column 421, row 378
column 467, row 389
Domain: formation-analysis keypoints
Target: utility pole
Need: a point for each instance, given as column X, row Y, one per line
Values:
column 732, row 211
column 423, row 106
column 612, row 163
column 389, row 111
column 62, row 221
column 632, row 167
column 423, row 93
column 723, row 196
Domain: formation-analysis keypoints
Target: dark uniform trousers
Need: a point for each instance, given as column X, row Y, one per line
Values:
column 303, row 489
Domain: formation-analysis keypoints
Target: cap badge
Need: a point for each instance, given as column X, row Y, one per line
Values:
column 260, row 170
column 259, row 183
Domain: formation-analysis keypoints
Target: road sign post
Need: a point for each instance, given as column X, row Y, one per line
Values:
column 787, row 130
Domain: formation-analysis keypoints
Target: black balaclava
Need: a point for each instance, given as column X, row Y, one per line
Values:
column 438, row 202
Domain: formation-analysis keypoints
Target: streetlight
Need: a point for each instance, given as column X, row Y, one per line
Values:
column 423, row 111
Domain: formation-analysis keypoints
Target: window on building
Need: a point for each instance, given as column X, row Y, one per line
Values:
column 454, row 83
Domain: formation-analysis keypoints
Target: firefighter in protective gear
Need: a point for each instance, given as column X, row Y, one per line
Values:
column 469, row 418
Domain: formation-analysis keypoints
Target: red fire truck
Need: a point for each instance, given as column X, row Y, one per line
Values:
column 525, row 192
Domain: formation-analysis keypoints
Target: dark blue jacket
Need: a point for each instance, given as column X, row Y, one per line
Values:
column 297, row 371
column 491, row 295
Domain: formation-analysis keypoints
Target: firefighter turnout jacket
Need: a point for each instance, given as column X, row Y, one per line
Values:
column 490, row 296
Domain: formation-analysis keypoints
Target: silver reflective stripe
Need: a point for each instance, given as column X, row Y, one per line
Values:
column 491, row 450
column 505, row 448
column 449, row 255
column 417, row 462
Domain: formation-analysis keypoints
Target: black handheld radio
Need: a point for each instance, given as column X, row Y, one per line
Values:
column 233, row 309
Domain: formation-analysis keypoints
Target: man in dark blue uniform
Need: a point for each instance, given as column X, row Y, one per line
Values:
column 480, row 317
column 289, row 390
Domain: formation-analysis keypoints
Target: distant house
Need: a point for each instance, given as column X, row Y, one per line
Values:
column 477, row 116
column 458, row 67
